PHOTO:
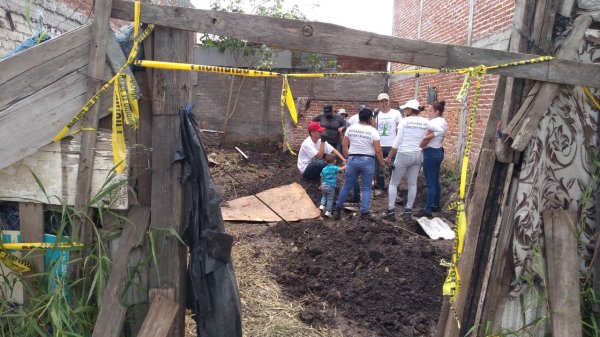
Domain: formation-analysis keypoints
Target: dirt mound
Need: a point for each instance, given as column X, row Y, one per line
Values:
column 375, row 274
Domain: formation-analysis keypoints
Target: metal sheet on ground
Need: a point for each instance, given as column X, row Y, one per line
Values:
column 290, row 201
column 436, row 228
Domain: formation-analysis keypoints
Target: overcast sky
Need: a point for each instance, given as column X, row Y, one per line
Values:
column 372, row 15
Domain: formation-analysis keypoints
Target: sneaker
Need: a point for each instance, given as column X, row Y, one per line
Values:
column 389, row 215
column 327, row 214
column 407, row 213
column 322, row 207
column 377, row 193
column 423, row 213
column 337, row 214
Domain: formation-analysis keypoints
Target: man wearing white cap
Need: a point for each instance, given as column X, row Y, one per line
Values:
column 386, row 123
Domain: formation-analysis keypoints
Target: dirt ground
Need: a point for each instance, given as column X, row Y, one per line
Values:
column 351, row 277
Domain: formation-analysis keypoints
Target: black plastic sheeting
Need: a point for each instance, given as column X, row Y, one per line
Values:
column 212, row 292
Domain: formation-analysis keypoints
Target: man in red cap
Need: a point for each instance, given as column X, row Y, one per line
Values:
column 313, row 150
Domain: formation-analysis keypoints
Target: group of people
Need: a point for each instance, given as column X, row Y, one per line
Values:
column 367, row 143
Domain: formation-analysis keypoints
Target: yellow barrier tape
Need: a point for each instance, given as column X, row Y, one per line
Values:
column 591, row 97
column 14, row 263
column 136, row 19
column 452, row 284
column 118, row 137
column 203, row 68
column 40, row 245
column 287, row 99
column 132, row 96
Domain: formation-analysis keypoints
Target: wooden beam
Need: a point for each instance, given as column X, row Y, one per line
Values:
column 562, row 279
column 112, row 313
column 475, row 209
column 171, row 90
column 160, row 317
column 31, row 219
column 90, row 120
column 332, row 39
column 547, row 92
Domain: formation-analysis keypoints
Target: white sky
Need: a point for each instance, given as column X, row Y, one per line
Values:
column 372, row 15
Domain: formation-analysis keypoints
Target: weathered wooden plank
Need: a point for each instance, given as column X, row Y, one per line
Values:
column 96, row 65
column 492, row 275
column 34, row 79
column 562, row 280
column 545, row 13
column 332, row 39
column 112, row 312
column 115, row 57
column 160, row 317
column 56, row 166
column 31, row 220
column 475, row 209
column 170, row 91
column 500, row 256
column 42, row 53
column 547, row 91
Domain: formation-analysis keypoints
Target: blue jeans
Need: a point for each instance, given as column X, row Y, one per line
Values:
column 327, row 199
column 365, row 168
column 313, row 169
column 432, row 161
column 379, row 172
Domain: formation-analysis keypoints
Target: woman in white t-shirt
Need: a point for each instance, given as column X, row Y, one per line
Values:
column 361, row 147
column 411, row 130
column 433, row 155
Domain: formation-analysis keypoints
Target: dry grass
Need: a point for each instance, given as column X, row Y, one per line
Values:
column 266, row 312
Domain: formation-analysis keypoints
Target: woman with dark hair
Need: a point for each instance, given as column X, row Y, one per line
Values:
column 361, row 146
column 433, row 155
column 411, row 130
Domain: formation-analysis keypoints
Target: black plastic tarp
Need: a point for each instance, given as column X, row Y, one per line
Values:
column 212, row 292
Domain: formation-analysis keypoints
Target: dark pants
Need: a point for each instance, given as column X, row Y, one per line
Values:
column 313, row 169
column 432, row 161
column 379, row 171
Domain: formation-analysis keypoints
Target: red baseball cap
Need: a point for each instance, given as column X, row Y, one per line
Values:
column 315, row 126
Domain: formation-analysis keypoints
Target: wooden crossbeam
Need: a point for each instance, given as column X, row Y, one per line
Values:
column 337, row 40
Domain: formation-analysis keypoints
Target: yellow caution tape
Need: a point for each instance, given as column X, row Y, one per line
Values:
column 591, row 97
column 287, row 99
column 40, row 245
column 204, row 68
column 14, row 263
column 118, row 137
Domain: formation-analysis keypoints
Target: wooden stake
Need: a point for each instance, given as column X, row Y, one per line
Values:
column 160, row 318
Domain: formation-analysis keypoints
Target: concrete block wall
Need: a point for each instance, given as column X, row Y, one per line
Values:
column 448, row 22
column 58, row 17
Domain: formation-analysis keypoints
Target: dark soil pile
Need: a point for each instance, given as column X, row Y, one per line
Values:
column 372, row 273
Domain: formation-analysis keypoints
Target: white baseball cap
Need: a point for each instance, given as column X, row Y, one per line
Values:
column 383, row 95
column 411, row 104
column 342, row 111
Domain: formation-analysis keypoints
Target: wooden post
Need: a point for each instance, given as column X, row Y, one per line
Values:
column 112, row 312
column 562, row 276
column 102, row 9
column 31, row 219
column 170, row 91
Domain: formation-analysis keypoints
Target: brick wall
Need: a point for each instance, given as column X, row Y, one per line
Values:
column 58, row 17
column 447, row 22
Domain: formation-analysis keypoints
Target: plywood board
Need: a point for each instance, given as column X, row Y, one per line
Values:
column 436, row 228
column 56, row 167
column 290, row 201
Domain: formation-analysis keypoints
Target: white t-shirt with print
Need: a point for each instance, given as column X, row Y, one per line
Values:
column 308, row 150
column 411, row 131
column 386, row 123
column 438, row 139
column 361, row 138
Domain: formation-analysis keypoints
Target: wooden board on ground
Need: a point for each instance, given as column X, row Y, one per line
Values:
column 160, row 317
column 55, row 165
column 436, row 228
column 290, row 201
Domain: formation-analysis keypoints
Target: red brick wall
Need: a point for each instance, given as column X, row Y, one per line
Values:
column 316, row 107
column 447, row 22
